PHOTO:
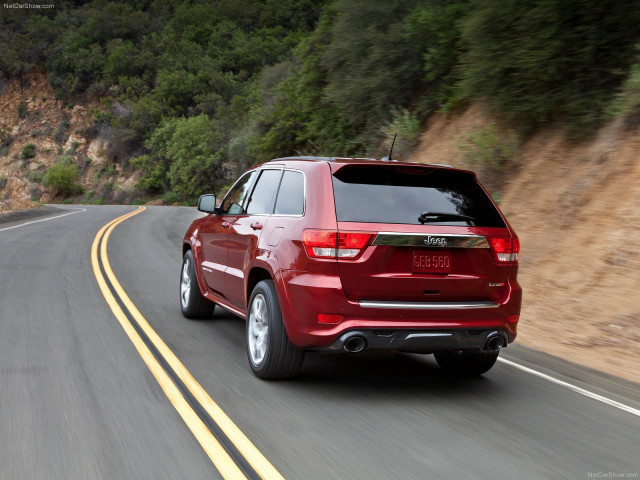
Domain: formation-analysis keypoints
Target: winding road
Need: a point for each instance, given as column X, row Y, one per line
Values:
column 101, row 377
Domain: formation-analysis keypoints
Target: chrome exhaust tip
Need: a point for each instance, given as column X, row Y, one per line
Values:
column 355, row 344
column 495, row 342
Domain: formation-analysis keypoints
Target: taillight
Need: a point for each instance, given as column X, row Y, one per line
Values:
column 320, row 243
column 331, row 244
column 505, row 249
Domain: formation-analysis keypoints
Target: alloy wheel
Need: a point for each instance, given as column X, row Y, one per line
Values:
column 185, row 283
column 258, row 329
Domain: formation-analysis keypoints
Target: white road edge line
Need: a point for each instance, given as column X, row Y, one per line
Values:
column 44, row 219
column 581, row 391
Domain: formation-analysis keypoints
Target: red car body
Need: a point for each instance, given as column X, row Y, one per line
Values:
column 344, row 281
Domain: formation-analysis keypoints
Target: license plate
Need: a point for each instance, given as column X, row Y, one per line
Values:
column 427, row 262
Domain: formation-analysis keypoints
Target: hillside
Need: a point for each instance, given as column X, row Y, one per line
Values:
column 59, row 131
column 575, row 209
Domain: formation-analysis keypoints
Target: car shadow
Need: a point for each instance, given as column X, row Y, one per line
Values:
column 376, row 372
column 387, row 371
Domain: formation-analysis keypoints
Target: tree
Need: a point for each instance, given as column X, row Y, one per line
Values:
column 539, row 60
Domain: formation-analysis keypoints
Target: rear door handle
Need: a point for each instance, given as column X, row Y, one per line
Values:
column 226, row 224
column 256, row 226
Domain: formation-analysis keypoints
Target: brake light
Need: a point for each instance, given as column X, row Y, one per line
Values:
column 505, row 249
column 331, row 244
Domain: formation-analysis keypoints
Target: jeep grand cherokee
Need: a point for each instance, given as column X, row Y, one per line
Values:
column 344, row 255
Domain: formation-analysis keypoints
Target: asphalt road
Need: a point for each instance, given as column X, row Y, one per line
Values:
column 78, row 402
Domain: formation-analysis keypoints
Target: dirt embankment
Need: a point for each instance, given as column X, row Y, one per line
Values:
column 576, row 209
column 10, row 205
column 58, row 130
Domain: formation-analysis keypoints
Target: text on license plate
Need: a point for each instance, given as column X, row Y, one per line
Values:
column 431, row 262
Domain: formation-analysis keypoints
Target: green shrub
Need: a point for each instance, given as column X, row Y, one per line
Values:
column 22, row 110
column 170, row 198
column 88, row 196
column 107, row 187
column 3, row 181
column 627, row 101
column 105, row 191
column 28, row 151
column 72, row 149
column 63, row 178
column 5, row 138
column 59, row 135
column 489, row 147
column 407, row 127
column 5, row 141
column 36, row 177
column 106, row 170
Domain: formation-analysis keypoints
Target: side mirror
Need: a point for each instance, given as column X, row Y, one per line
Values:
column 207, row 203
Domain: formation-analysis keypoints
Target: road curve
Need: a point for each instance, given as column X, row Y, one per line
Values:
column 77, row 401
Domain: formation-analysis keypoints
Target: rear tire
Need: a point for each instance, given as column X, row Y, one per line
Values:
column 461, row 362
column 192, row 303
column 271, row 354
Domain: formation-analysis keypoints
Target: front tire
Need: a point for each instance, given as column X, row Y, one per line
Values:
column 271, row 354
column 461, row 362
column 192, row 303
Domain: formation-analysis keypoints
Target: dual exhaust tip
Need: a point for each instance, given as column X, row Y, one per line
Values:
column 357, row 343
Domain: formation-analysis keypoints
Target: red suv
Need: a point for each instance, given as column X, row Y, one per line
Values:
column 343, row 255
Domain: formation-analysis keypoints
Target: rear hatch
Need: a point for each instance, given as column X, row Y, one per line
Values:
column 432, row 234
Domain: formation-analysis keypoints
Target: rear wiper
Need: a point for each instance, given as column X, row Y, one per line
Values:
column 427, row 217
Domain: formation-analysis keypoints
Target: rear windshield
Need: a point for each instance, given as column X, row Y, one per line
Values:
column 412, row 195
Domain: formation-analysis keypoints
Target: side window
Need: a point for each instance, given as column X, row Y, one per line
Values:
column 232, row 203
column 291, row 196
column 261, row 201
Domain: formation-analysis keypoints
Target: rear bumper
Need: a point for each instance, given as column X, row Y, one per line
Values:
column 420, row 341
column 408, row 326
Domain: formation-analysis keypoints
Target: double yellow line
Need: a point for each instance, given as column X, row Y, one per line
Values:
column 211, row 445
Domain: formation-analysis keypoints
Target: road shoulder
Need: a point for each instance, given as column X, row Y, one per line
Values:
column 15, row 217
column 604, row 384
